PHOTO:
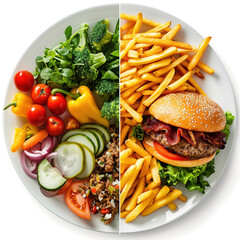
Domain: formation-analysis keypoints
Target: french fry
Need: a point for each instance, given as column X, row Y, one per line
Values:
column 180, row 81
column 191, row 80
column 197, row 56
column 179, row 89
column 203, row 66
column 154, row 50
column 160, row 89
column 130, row 83
column 128, row 72
column 154, row 171
column 126, row 153
column 151, row 35
column 162, row 193
column 131, row 90
column 138, row 23
column 152, row 78
column 161, row 202
column 146, row 86
column 126, row 176
column 124, row 132
column 127, row 25
column 125, row 79
column 131, row 181
column 133, row 201
column 163, row 42
column 123, row 207
column 159, row 28
column 133, row 54
column 156, row 57
column 182, row 198
column 140, row 207
column 123, row 147
column 136, row 148
column 153, row 185
column 133, row 98
column 170, row 66
column 127, row 48
column 145, row 166
column 129, row 160
column 153, row 66
column 148, row 175
column 124, row 214
column 134, row 18
column 172, row 206
column 130, row 192
column 142, row 107
column 124, row 66
column 129, row 122
column 183, row 51
column 172, row 33
column 143, row 196
column 131, row 111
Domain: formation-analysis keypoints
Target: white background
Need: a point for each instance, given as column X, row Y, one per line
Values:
column 21, row 22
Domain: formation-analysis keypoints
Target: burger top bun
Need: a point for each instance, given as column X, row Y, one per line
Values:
column 190, row 111
column 148, row 145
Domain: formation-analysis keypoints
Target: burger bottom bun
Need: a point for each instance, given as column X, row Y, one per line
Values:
column 148, row 144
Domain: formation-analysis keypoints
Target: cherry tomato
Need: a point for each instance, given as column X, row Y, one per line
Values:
column 57, row 104
column 72, row 123
column 36, row 115
column 76, row 202
column 40, row 93
column 164, row 152
column 24, row 81
column 54, row 126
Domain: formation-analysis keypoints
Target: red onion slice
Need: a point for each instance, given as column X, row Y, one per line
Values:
column 28, row 166
column 40, row 151
column 47, row 193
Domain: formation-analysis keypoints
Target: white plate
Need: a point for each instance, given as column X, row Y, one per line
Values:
column 51, row 38
column 217, row 87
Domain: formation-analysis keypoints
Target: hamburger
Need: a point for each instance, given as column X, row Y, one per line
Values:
column 184, row 129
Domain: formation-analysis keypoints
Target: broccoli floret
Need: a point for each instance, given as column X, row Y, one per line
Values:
column 107, row 88
column 110, row 110
column 137, row 132
column 86, row 63
column 100, row 35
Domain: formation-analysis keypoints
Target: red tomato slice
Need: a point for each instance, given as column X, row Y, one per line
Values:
column 65, row 186
column 76, row 202
column 164, row 152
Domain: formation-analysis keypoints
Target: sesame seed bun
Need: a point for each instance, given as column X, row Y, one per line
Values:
column 189, row 110
column 148, row 145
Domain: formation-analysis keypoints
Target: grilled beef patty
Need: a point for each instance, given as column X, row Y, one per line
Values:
column 199, row 150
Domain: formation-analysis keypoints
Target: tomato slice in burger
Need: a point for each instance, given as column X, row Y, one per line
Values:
column 76, row 202
column 165, row 153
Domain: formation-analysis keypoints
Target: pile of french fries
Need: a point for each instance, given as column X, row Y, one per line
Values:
column 152, row 64
column 140, row 184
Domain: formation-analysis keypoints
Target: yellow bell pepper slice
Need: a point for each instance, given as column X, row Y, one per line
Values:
column 29, row 129
column 19, row 138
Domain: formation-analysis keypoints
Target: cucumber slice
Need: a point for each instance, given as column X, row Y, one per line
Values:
column 83, row 139
column 89, row 163
column 70, row 159
column 91, row 135
column 103, row 129
column 48, row 177
column 101, row 139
